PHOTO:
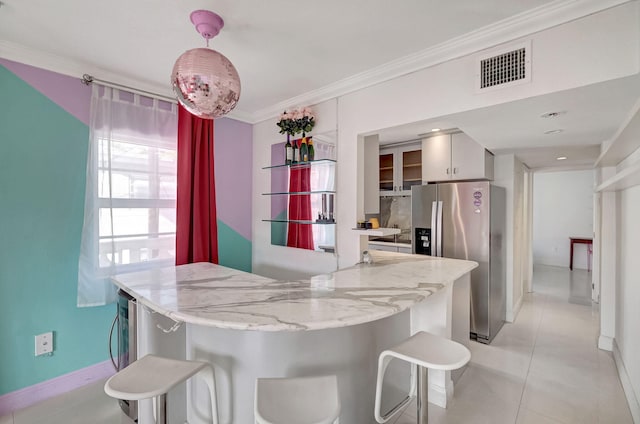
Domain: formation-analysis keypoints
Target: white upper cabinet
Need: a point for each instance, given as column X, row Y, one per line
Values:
column 436, row 158
column 400, row 168
column 454, row 157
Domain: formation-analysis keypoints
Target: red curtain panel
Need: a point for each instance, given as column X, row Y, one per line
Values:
column 196, row 221
column 300, row 235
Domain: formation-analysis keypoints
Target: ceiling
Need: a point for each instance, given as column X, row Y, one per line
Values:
column 284, row 49
column 587, row 117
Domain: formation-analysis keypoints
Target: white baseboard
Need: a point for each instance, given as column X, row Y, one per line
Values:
column 56, row 386
column 632, row 399
column 605, row 343
column 440, row 387
column 513, row 314
column 439, row 395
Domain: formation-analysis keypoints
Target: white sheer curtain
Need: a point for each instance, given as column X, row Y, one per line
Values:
column 129, row 214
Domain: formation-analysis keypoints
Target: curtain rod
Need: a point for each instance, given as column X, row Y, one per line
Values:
column 88, row 80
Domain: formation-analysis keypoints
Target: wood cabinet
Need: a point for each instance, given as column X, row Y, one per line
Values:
column 400, row 168
column 455, row 157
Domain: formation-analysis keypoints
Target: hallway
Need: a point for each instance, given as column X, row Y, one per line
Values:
column 543, row 369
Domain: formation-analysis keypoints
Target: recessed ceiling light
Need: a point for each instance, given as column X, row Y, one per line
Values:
column 561, row 158
column 552, row 114
column 553, row 131
column 435, row 129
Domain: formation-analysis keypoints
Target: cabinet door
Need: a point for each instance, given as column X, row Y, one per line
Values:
column 436, row 158
column 375, row 246
column 411, row 167
column 371, row 175
column 467, row 158
column 404, row 249
column 387, row 169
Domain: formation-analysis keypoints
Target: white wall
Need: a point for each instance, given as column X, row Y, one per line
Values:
column 564, row 57
column 608, row 253
column 628, row 292
column 281, row 261
column 527, row 266
column 510, row 173
column 519, row 239
column 562, row 208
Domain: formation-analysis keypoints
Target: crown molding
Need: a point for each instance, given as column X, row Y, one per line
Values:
column 241, row 115
column 524, row 24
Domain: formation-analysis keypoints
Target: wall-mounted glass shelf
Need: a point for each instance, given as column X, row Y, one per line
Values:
column 295, row 221
column 299, row 193
column 303, row 164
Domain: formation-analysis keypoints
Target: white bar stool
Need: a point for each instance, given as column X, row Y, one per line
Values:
column 304, row 400
column 153, row 376
column 424, row 351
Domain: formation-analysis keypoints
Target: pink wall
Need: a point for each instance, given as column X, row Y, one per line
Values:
column 233, row 156
column 67, row 92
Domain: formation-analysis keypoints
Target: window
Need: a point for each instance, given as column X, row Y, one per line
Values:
column 136, row 202
column 130, row 203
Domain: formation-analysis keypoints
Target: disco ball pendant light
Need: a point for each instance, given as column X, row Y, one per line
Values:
column 204, row 80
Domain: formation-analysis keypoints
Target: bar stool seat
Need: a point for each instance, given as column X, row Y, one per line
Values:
column 425, row 351
column 154, row 376
column 304, row 400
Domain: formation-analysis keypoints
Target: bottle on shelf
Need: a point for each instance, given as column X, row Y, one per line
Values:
column 288, row 155
column 304, row 150
column 312, row 152
column 295, row 152
column 331, row 219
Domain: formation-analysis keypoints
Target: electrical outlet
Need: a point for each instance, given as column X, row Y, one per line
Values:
column 44, row 343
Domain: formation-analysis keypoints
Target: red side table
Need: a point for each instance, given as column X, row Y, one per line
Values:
column 580, row 240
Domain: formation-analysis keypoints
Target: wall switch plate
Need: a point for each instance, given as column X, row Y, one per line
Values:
column 44, row 343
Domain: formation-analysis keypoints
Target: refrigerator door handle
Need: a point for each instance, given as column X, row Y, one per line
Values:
column 434, row 228
column 439, row 224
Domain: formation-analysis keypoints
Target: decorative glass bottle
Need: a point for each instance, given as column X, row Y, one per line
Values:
column 295, row 152
column 304, row 149
column 312, row 152
column 288, row 156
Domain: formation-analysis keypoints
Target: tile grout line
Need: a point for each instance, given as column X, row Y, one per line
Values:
column 535, row 342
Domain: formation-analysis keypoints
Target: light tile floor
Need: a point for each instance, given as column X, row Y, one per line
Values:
column 543, row 369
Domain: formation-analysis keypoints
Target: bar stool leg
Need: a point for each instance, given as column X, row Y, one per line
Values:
column 423, row 395
column 161, row 409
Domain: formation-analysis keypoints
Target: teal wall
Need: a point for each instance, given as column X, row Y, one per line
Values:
column 42, row 181
column 43, row 149
column 234, row 250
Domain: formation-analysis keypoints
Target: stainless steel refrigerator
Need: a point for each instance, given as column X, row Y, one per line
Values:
column 466, row 220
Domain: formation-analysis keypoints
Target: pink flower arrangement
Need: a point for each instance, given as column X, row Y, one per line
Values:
column 297, row 120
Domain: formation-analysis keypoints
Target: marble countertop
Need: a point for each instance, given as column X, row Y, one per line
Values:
column 216, row 296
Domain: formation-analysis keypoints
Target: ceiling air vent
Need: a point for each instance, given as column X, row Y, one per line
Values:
column 507, row 66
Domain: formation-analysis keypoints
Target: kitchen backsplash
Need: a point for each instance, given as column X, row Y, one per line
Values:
column 395, row 211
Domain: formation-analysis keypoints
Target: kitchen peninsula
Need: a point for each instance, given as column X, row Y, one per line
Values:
column 249, row 326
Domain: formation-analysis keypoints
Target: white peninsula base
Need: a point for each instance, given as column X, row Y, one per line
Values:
column 350, row 352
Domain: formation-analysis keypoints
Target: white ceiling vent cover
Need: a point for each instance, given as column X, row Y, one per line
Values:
column 504, row 67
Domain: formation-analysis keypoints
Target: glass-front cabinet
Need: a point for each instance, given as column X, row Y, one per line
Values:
column 400, row 168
